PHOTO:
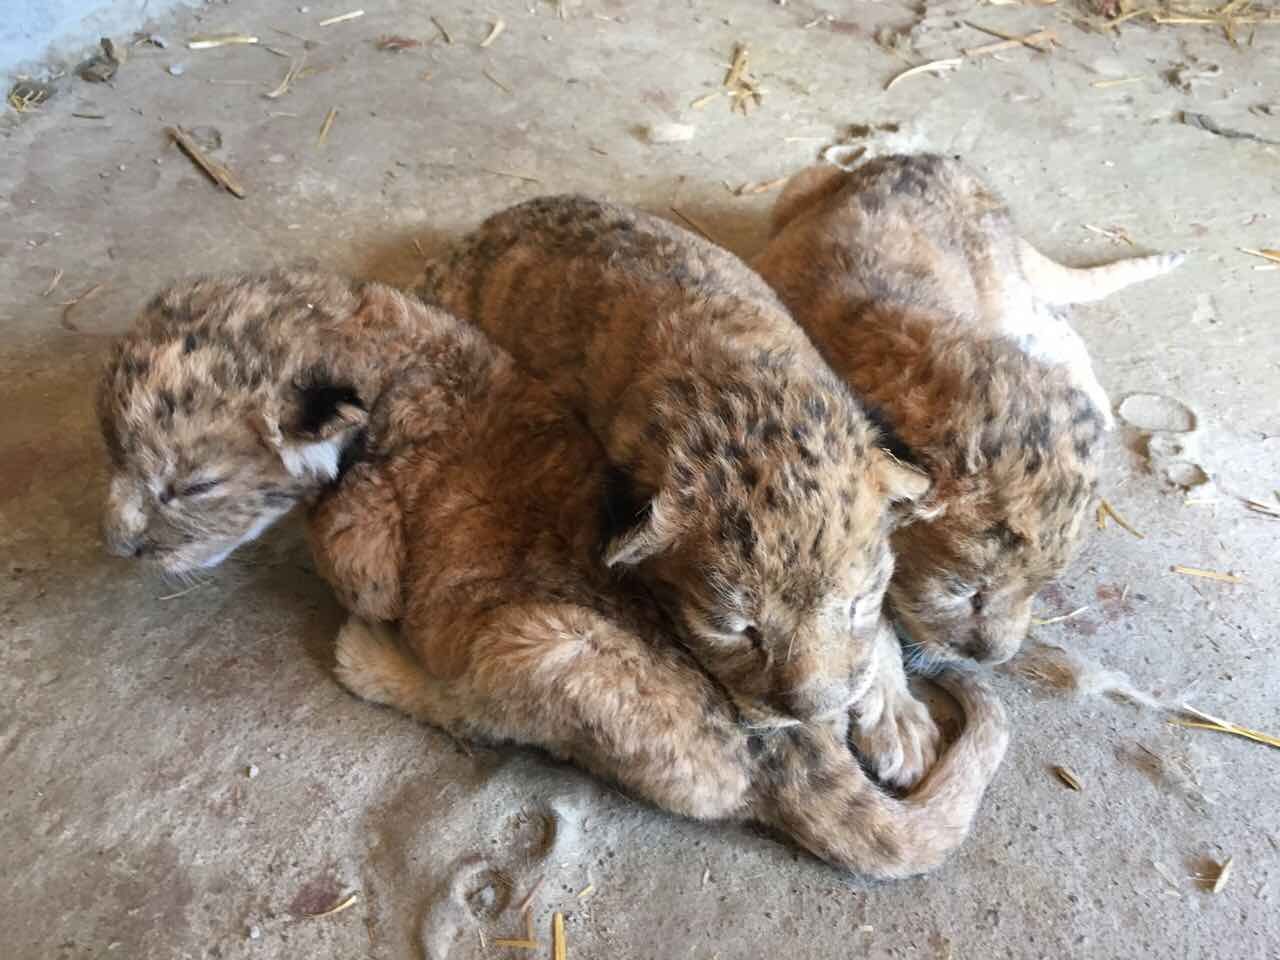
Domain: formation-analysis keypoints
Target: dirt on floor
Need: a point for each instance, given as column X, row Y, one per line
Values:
column 183, row 778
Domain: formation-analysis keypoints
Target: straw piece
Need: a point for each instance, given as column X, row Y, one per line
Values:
column 1206, row 574
column 336, row 908
column 559, row 950
column 207, row 41
column 933, row 66
column 341, row 18
column 1105, row 510
column 215, row 171
column 494, row 32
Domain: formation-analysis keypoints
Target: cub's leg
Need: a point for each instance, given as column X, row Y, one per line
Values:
column 565, row 679
column 357, row 541
column 892, row 730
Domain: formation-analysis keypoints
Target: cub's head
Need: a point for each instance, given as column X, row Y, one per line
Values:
column 769, row 537
column 1013, row 485
column 215, row 419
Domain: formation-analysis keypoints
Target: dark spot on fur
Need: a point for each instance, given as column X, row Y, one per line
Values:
column 771, row 431
column 815, row 549
column 165, row 405
column 749, row 475
column 189, row 343
column 1005, row 536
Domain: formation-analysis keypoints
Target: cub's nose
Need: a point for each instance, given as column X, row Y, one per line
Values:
column 986, row 646
column 118, row 543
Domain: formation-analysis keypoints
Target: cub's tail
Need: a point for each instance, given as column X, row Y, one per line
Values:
column 836, row 812
column 1056, row 284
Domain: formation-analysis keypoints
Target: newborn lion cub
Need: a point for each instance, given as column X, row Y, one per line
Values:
column 750, row 490
column 909, row 276
column 454, row 493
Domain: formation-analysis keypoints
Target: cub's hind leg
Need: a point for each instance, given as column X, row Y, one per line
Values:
column 562, row 677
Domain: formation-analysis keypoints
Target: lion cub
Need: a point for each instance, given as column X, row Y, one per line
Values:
column 909, row 276
column 456, row 494
column 750, row 491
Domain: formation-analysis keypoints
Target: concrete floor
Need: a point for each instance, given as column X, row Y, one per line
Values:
column 133, row 712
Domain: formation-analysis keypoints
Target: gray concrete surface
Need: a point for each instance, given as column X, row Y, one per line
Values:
column 35, row 32
column 131, row 711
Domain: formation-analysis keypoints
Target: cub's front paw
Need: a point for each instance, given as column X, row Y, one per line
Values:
column 895, row 735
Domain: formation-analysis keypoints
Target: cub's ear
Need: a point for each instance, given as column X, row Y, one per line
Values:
column 803, row 191
column 903, row 486
column 635, row 528
column 312, row 424
column 640, row 543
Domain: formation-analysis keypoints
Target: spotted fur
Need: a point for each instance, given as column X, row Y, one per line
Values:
column 903, row 273
column 750, row 491
column 468, row 506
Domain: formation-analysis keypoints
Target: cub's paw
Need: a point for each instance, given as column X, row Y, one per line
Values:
column 895, row 735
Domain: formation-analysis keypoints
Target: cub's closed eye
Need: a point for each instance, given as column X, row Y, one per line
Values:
column 196, row 489
column 753, row 634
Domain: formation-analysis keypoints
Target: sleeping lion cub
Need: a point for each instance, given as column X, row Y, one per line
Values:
column 456, row 495
column 752, row 494
column 910, row 277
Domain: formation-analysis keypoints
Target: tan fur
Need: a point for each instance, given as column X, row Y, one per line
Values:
column 750, row 491
column 905, row 274
column 468, row 505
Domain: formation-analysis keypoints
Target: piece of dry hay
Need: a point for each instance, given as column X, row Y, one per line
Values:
column 27, row 95
column 70, row 305
column 495, row 31
column 704, row 100
column 395, row 44
column 1207, row 721
column 1104, row 84
column 1068, row 777
column 207, row 41
column 1272, row 255
column 53, row 284
column 341, row 18
column 1031, row 40
column 344, row 904
column 1224, row 874
column 744, row 89
column 328, row 123
column 528, row 941
column 289, row 76
column 444, row 34
column 933, row 66
column 214, row 170
column 1037, row 622
column 498, row 83
column 559, row 949
column 1067, row 672
column 1118, row 234
column 1105, row 511
column 1206, row 574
